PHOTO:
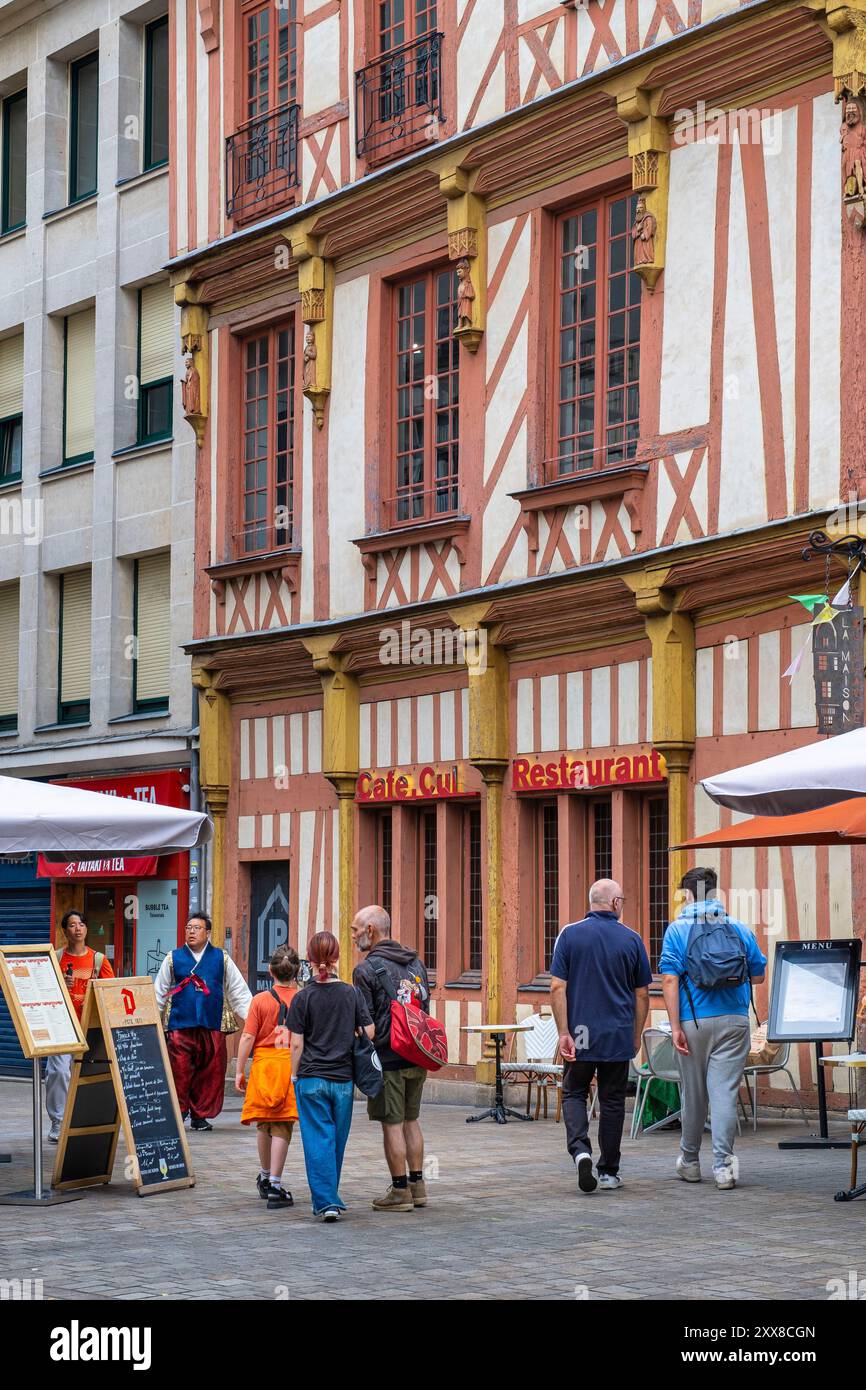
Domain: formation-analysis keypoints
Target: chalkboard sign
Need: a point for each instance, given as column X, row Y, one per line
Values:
column 149, row 1093
column 123, row 1079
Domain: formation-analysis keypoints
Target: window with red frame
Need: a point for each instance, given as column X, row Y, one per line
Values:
column 598, row 349
column 473, row 900
column 403, row 21
column 548, row 878
column 384, row 859
column 430, row 901
column 268, row 439
column 271, row 53
column 426, row 399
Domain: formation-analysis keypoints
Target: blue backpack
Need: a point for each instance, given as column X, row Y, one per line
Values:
column 716, row 956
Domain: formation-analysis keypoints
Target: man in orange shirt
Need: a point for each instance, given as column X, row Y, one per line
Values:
column 78, row 966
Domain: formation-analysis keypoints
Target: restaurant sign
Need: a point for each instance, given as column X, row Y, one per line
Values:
column 837, row 655
column 571, row 771
column 427, row 782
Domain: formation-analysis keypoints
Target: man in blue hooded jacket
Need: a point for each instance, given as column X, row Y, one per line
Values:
column 709, row 1028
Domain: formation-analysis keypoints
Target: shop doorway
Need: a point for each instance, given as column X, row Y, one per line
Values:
column 269, row 918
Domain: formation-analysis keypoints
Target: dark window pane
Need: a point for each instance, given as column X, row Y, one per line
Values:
column 14, row 159
column 85, row 106
column 156, row 95
column 10, row 448
column 156, row 410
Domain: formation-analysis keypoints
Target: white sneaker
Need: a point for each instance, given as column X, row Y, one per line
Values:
column 54, row 1132
column 724, row 1177
column 609, row 1182
column 689, row 1172
column 586, row 1179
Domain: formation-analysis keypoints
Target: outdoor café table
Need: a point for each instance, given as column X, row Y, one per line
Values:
column 499, row 1111
column 853, row 1061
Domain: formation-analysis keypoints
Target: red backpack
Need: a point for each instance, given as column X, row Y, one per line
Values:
column 415, row 1035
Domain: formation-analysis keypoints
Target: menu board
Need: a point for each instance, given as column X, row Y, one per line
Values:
column 39, row 1002
column 814, row 992
column 149, row 1093
column 123, row 1082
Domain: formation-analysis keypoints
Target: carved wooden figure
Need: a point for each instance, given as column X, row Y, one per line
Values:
column 191, row 387
column 853, row 139
column 465, row 294
column 643, row 234
column 310, row 354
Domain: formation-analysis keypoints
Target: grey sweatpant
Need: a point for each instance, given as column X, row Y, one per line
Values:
column 711, row 1075
column 58, row 1074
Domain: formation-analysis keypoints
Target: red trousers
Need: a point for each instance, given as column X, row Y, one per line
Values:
column 198, row 1063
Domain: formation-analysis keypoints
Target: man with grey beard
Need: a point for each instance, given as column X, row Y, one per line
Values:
column 390, row 971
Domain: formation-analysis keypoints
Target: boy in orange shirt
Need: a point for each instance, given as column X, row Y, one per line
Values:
column 78, row 966
column 270, row 1099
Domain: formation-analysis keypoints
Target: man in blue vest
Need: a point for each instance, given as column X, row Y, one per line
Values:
column 199, row 979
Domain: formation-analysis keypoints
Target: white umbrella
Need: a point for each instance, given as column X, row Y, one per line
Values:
column 67, row 822
column 799, row 780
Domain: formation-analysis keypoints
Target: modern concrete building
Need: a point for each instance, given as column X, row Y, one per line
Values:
column 96, row 463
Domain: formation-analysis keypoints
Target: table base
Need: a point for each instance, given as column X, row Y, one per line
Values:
column 500, row 1114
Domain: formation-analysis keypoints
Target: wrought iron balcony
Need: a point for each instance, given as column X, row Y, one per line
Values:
column 262, row 163
column 399, row 99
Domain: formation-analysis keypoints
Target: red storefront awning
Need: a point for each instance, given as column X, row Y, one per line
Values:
column 98, row 868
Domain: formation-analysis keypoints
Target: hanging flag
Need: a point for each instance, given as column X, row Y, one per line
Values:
column 809, row 601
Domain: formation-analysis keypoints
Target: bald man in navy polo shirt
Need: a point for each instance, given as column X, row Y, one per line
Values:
column 600, row 998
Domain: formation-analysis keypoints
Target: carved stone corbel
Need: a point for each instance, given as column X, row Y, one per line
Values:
column 209, row 23
column 649, row 148
column 467, row 247
column 316, row 286
column 195, row 387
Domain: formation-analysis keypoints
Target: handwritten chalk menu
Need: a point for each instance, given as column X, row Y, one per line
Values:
column 135, row 1091
column 39, row 1002
column 148, row 1091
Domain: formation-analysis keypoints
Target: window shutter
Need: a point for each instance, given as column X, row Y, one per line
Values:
column 80, row 383
column 12, row 376
column 156, row 330
column 75, row 637
column 153, row 628
column 8, row 650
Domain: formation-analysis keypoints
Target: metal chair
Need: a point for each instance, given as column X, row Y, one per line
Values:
column 661, row 1064
column 765, row 1069
column 540, row 1068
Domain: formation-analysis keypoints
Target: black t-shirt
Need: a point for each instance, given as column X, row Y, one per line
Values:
column 327, row 1015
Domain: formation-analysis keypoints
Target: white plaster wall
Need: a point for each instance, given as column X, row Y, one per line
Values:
column 476, row 49
column 346, row 446
column 322, row 65
column 825, row 318
column 742, row 491
column 688, row 288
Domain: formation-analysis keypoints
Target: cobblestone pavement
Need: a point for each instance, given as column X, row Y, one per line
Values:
column 505, row 1220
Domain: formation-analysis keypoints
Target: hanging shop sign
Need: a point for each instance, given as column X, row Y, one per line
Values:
column 837, row 655
column 98, row 868
column 572, row 771
column 427, row 782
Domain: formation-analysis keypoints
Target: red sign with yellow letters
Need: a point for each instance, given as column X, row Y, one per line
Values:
column 571, row 772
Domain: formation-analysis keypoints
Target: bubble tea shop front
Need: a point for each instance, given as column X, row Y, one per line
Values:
column 136, row 908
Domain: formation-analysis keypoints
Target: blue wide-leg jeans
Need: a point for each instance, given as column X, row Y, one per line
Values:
column 325, row 1114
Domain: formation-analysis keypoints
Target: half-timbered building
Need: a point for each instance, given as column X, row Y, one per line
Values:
column 521, row 341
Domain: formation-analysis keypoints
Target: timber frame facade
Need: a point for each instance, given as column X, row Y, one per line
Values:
column 624, row 627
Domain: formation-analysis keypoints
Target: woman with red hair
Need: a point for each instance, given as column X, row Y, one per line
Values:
column 323, row 1021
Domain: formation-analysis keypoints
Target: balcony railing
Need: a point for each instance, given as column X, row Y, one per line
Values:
column 399, row 99
column 262, row 163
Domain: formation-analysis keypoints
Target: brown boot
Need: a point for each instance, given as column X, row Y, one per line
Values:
column 395, row 1199
column 419, row 1193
